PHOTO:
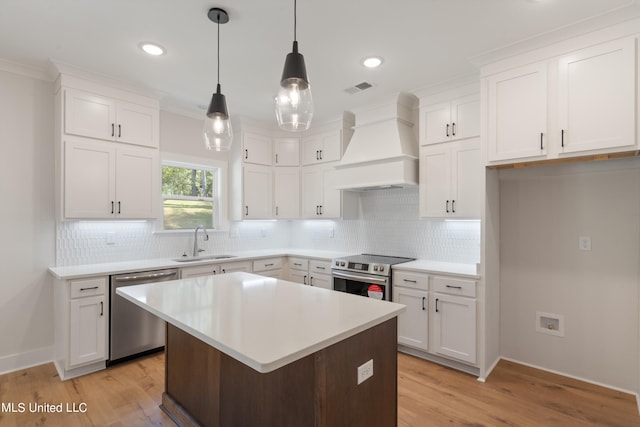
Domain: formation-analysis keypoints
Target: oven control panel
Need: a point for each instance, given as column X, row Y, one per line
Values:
column 360, row 266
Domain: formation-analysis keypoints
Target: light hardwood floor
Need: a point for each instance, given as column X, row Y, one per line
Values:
column 429, row 395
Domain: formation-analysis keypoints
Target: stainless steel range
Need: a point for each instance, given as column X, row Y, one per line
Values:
column 367, row 275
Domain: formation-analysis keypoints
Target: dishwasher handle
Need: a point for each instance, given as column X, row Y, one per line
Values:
column 145, row 276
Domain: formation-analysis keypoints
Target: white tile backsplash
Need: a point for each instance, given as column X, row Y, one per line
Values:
column 388, row 224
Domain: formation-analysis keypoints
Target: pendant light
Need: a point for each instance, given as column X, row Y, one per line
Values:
column 294, row 106
column 217, row 131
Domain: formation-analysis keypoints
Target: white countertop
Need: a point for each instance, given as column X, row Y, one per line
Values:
column 262, row 322
column 75, row 271
column 424, row 266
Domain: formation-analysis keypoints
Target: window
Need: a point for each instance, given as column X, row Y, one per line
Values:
column 189, row 196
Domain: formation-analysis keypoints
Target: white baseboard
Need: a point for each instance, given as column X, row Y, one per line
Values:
column 488, row 372
column 564, row 374
column 15, row 362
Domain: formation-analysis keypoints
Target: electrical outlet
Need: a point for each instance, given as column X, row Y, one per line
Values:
column 584, row 243
column 111, row 238
column 365, row 371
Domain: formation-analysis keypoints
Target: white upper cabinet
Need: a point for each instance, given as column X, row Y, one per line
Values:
column 449, row 121
column 325, row 147
column 597, row 96
column 320, row 198
column 109, row 181
column 517, row 105
column 286, row 197
column 95, row 116
column 286, row 152
column 580, row 103
column 257, row 191
column 256, row 148
column 450, row 177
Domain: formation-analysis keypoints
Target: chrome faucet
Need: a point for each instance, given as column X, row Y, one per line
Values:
column 196, row 250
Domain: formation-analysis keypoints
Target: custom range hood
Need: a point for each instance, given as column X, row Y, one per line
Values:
column 383, row 151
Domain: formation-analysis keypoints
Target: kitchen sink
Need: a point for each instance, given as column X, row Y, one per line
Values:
column 202, row 258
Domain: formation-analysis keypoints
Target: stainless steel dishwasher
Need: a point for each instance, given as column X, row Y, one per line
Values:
column 132, row 330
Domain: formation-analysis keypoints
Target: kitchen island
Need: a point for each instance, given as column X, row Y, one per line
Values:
column 248, row 350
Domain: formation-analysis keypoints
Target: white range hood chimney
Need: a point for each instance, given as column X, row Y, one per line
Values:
column 383, row 151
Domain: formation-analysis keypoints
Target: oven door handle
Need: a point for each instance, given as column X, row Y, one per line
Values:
column 358, row 278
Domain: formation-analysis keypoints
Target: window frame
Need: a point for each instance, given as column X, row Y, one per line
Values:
column 219, row 193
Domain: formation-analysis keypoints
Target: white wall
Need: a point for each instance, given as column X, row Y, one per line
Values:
column 543, row 212
column 28, row 225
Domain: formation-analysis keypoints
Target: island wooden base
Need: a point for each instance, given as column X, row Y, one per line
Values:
column 204, row 387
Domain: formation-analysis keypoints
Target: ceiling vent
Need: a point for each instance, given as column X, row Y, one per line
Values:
column 358, row 88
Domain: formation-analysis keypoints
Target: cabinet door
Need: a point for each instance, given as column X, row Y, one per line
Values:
column 231, row 267
column 199, row 271
column 257, row 183
column 89, row 179
column 331, row 206
column 87, row 330
column 331, row 149
column 311, row 150
column 517, row 110
column 256, row 149
column 321, row 281
column 413, row 323
column 86, row 114
column 136, row 182
column 597, row 90
column 137, row 124
column 437, row 119
column 466, row 174
column 298, row 276
column 454, row 327
column 311, row 191
column 435, row 180
column 286, row 192
column 465, row 117
column 286, row 152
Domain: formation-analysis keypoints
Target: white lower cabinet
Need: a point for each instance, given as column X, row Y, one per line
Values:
column 312, row 272
column 270, row 267
column 454, row 318
column 81, row 325
column 320, row 274
column 440, row 317
column 213, row 269
column 298, row 270
column 413, row 323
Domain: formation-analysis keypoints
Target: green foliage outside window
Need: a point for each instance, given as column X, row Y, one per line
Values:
column 188, row 197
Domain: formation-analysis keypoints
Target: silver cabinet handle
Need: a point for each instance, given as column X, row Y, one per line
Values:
column 410, row 281
column 454, row 287
column 447, row 206
column 88, row 289
column 304, row 279
column 423, row 299
column 101, row 308
column 453, row 206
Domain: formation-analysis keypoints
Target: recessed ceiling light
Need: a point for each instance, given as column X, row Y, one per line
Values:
column 372, row 62
column 152, row 48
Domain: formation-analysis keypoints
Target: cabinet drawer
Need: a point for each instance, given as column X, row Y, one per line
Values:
column 452, row 286
column 301, row 264
column 267, row 264
column 408, row 279
column 88, row 287
column 317, row 266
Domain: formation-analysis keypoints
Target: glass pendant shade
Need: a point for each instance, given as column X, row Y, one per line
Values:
column 217, row 131
column 294, row 104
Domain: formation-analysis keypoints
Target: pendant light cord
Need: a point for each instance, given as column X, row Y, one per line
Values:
column 218, row 48
column 295, row 19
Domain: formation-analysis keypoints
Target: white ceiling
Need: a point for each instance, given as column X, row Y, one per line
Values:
column 423, row 42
